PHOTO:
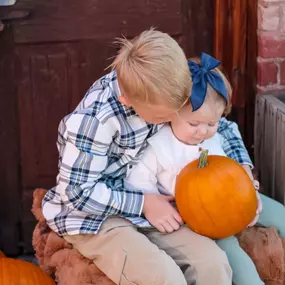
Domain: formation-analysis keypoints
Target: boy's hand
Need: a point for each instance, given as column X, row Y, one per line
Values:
column 160, row 213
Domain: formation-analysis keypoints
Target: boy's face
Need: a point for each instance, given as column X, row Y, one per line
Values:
column 195, row 127
column 154, row 114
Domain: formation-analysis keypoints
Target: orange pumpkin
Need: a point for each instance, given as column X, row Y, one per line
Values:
column 20, row 272
column 215, row 196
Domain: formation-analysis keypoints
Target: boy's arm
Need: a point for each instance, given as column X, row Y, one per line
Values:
column 232, row 142
column 256, row 186
column 83, row 158
column 248, row 171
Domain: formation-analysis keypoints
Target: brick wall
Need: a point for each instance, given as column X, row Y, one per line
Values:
column 271, row 46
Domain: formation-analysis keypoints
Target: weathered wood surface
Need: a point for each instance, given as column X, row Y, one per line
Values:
column 269, row 144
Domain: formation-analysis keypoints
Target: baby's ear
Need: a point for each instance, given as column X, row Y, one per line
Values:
column 124, row 101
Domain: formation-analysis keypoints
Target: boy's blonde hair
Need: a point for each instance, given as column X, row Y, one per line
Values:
column 212, row 96
column 152, row 68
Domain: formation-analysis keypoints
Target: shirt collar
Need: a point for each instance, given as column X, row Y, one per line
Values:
column 127, row 111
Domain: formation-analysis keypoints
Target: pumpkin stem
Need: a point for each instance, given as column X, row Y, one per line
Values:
column 203, row 159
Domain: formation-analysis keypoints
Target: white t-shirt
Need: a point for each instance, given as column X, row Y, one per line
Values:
column 164, row 158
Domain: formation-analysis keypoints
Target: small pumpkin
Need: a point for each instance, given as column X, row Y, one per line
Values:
column 215, row 196
column 18, row 272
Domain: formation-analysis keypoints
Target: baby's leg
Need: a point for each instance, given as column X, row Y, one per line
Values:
column 273, row 214
column 244, row 271
column 190, row 249
column 127, row 257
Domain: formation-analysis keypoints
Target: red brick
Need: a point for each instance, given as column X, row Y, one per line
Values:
column 282, row 73
column 268, row 18
column 271, row 46
column 267, row 73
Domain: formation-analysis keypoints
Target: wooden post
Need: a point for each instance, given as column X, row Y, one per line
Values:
column 235, row 44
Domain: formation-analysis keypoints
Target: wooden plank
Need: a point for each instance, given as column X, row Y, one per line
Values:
column 220, row 32
column 280, row 158
column 198, row 26
column 259, row 132
column 272, row 126
column 265, row 167
column 278, row 100
column 269, row 144
column 28, row 221
column 238, row 58
column 230, row 48
column 73, row 20
column 251, row 74
column 271, row 156
column 9, row 151
column 235, row 45
column 268, row 156
column 275, row 149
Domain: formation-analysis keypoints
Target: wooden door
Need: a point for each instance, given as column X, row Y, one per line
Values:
column 60, row 50
column 235, row 44
column 9, row 147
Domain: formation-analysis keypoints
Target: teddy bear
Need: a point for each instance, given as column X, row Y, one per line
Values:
column 57, row 257
column 68, row 267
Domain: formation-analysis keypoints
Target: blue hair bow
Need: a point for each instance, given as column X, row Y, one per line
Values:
column 201, row 75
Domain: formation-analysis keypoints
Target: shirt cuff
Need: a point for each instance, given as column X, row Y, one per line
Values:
column 249, row 163
column 134, row 204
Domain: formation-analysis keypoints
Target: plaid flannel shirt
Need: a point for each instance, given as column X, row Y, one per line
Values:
column 98, row 144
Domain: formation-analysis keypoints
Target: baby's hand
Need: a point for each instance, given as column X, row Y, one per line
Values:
column 160, row 213
column 259, row 205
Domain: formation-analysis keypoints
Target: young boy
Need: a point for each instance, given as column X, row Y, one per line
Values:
column 98, row 145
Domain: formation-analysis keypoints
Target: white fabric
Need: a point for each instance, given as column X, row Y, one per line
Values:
column 164, row 158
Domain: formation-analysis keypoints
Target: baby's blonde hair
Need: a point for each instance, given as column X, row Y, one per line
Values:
column 152, row 68
column 212, row 96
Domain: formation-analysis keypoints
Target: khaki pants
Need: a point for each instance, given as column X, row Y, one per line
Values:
column 130, row 255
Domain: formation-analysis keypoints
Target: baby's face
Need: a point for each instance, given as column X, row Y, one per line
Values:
column 195, row 127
